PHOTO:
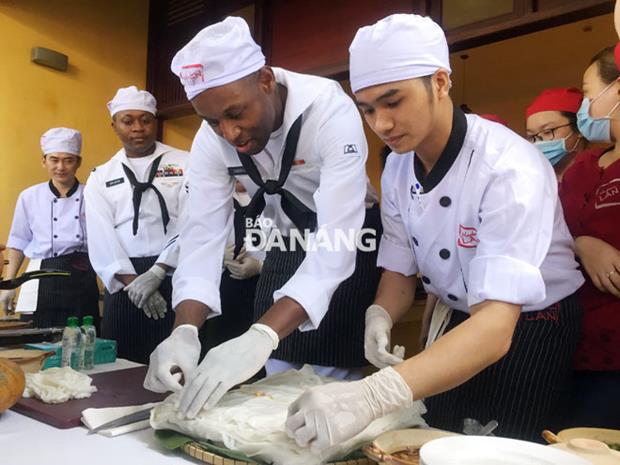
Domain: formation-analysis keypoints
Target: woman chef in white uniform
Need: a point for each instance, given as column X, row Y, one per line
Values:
column 49, row 224
column 473, row 209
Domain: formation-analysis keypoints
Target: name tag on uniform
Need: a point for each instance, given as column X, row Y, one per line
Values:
column 114, row 182
column 236, row 170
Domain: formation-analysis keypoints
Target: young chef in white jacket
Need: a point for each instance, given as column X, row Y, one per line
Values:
column 49, row 225
column 135, row 201
column 473, row 209
column 297, row 144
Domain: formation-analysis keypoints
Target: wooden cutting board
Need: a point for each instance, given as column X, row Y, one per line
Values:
column 114, row 389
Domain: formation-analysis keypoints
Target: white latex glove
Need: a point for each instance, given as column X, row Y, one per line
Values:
column 377, row 337
column 141, row 288
column 155, row 306
column 244, row 268
column 225, row 366
column 180, row 350
column 230, row 250
column 7, row 300
column 327, row 415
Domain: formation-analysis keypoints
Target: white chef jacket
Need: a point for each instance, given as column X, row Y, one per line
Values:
column 46, row 225
column 328, row 176
column 485, row 224
column 110, row 214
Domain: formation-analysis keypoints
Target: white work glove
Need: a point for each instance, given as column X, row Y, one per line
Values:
column 229, row 251
column 155, row 306
column 377, row 337
column 181, row 350
column 225, row 366
column 244, row 268
column 141, row 288
column 7, row 300
column 326, row 416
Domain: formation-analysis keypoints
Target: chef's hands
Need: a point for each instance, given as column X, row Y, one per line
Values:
column 155, row 306
column 244, row 268
column 602, row 263
column 377, row 337
column 225, row 366
column 181, row 350
column 7, row 300
column 229, row 253
column 141, row 288
column 327, row 415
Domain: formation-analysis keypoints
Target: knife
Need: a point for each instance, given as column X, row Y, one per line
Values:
column 39, row 274
column 134, row 417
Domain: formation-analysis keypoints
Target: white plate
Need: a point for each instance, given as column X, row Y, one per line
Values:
column 481, row 450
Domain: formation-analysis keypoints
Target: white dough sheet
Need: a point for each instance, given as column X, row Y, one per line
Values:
column 251, row 420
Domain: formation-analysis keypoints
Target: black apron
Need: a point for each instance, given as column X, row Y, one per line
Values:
column 237, row 300
column 62, row 297
column 136, row 335
column 339, row 340
column 525, row 390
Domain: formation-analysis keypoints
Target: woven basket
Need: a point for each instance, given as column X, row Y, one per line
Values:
column 195, row 450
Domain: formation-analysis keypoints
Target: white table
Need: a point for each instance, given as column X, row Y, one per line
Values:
column 24, row 441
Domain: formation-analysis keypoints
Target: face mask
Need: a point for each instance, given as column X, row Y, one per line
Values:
column 595, row 129
column 553, row 150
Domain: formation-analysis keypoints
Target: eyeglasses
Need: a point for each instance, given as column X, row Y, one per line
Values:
column 545, row 134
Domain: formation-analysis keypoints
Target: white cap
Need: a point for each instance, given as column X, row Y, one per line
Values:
column 132, row 98
column 64, row 140
column 398, row 47
column 221, row 53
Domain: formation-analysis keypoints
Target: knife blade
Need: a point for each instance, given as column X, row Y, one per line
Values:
column 134, row 417
column 39, row 274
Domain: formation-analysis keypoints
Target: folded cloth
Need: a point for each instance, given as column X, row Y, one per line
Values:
column 57, row 385
column 95, row 417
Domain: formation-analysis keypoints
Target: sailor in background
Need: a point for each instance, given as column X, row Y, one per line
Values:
column 473, row 208
column 297, row 144
column 49, row 226
column 241, row 270
column 135, row 201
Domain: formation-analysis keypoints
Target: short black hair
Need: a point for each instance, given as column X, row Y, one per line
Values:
column 606, row 64
column 572, row 119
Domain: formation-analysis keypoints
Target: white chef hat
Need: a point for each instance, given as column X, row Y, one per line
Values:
column 398, row 47
column 65, row 140
column 219, row 54
column 132, row 98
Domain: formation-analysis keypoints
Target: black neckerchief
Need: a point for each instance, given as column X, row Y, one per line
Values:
column 447, row 157
column 140, row 187
column 302, row 217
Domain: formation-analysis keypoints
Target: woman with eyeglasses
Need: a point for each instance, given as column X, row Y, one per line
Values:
column 551, row 121
column 590, row 195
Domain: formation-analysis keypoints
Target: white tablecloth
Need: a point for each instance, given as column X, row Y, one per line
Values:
column 24, row 441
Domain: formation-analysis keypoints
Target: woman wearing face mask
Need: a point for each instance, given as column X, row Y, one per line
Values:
column 551, row 121
column 590, row 194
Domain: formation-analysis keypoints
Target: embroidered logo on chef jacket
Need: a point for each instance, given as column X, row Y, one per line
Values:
column 192, row 74
column 168, row 171
column 114, row 182
column 608, row 195
column 298, row 162
column 468, row 237
column 350, row 148
column 237, row 170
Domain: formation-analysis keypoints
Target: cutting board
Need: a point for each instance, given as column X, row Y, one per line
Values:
column 114, row 389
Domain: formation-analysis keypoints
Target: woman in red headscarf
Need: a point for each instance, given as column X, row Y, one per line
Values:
column 551, row 121
column 590, row 195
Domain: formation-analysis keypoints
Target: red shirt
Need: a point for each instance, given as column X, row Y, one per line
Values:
column 590, row 196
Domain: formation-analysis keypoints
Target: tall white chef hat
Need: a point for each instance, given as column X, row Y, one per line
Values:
column 65, row 140
column 132, row 98
column 398, row 47
column 219, row 54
